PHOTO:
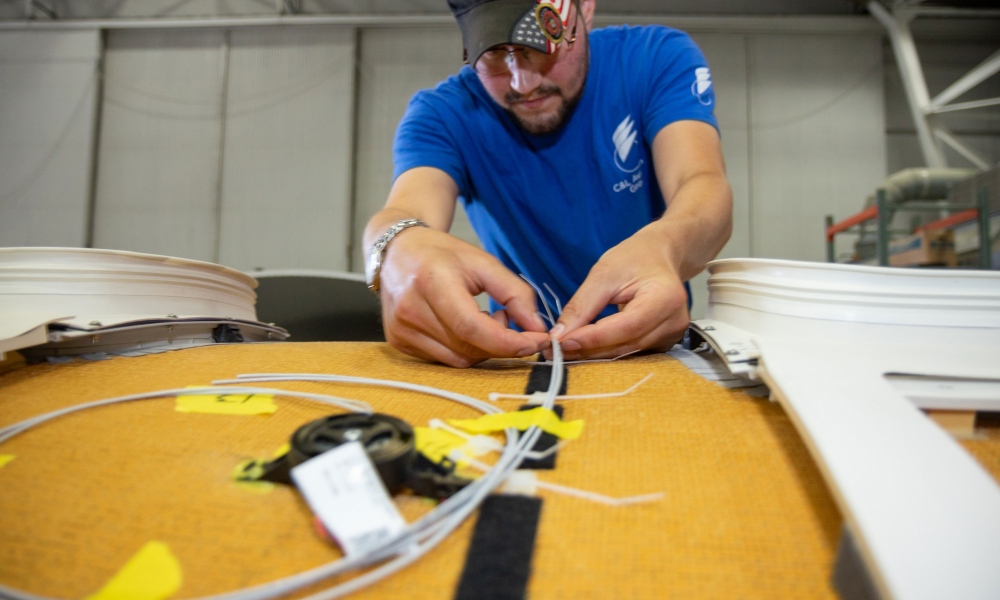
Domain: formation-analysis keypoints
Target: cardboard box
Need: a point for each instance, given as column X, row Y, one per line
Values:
column 924, row 249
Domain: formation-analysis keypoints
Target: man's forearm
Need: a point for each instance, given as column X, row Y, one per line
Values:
column 423, row 193
column 697, row 223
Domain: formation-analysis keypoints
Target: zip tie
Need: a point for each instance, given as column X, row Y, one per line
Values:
column 554, row 298
column 478, row 443
column 483, row 443
column 541, row 297
column 593, row 360
column 494, row 396
column 457, row 455
column 601, row 498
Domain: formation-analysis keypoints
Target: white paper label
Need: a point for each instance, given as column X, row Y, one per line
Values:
column 344, row 490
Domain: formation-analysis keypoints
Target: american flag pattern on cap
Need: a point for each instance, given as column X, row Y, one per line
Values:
column 535, row 31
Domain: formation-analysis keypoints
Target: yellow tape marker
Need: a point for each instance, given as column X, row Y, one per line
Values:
column 282, row 450
column 247, row 474
column 544, row 418
column 5, row 459
column 435, row 444
column 227, row 404
column 152, row 574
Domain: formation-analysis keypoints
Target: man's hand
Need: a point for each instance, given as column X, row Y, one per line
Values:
column 428, row 283
column 637, row 276
column 643, row 275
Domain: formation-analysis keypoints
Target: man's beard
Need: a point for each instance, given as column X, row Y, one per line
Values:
column 548, row 123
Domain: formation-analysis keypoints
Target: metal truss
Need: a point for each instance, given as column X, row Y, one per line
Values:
column 34, row 9
column 931, row 133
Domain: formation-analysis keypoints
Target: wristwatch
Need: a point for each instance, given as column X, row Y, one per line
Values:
column 374, row 265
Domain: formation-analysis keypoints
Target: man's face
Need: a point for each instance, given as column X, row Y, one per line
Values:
column 540, row 92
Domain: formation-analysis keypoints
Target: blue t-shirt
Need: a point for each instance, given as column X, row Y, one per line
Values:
column 549, row 206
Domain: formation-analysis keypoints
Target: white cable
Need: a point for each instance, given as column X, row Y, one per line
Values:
column 494, row 396
column 418, row 539
column 541, row 296
column 518, row 362
column 352, row 405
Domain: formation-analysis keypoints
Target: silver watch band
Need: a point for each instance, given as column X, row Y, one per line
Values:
column 373, row 267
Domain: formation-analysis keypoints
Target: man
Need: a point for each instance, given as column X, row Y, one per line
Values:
column 588, row 161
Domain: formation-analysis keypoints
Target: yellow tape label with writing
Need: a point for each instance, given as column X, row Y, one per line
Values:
column 227, row 404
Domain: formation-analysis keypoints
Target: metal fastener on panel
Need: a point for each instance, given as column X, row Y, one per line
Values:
column 95, row 323
column 171, row 316
column 708, row 328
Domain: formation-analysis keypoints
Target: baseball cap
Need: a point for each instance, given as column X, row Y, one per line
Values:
column 537, row 24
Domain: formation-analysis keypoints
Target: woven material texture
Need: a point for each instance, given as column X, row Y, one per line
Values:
column 746, row 513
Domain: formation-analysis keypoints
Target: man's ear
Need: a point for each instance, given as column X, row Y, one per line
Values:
column 587, row 8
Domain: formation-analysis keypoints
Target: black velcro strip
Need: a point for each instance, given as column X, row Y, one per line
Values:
column 498, row 564
column 545, row 441
column 538, row 381
column 541, row 376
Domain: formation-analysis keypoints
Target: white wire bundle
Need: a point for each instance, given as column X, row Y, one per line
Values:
column 413, row 542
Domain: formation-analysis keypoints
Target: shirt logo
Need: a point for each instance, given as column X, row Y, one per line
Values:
column 624, row 140
column 627, row 161
column 702, row 85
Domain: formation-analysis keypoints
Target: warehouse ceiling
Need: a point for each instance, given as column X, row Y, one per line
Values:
column 980, row 24
column 13, row 9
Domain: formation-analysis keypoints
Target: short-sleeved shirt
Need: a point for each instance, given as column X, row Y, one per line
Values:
column 548, row 206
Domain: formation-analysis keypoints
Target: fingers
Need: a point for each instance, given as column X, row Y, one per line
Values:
column 449, row 328
column 584, row 306
column 433, row 314
column 499, row 316
column 654, row 318
column 513, row 293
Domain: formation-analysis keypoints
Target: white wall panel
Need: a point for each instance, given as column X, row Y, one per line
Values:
column 81, row 9
column 726, row 54
column 817, row 137
column 288, row 144
column 393, row 65
column 159, row 151
column 48, row 91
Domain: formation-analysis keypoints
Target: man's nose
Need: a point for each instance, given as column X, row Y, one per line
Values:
column 523, row 78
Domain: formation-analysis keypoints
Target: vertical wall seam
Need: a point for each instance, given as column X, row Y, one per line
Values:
column 352, row 159
column 748, row 51
column 220, row 167
column 95, row 143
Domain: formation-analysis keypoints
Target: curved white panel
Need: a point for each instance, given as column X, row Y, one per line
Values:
column 113, row 286
column 925, row 514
